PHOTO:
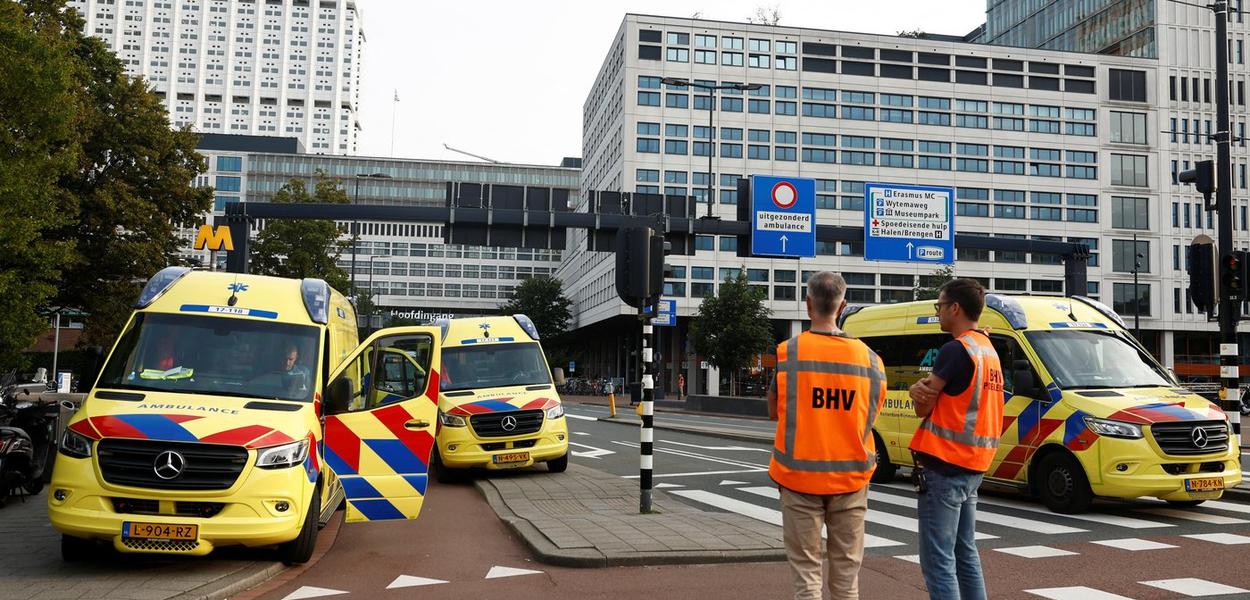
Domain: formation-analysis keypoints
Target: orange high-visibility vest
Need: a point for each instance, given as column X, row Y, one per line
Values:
column 829, row 392
column 963, row 430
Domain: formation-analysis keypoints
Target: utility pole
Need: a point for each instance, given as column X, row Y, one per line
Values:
column 1230, row 304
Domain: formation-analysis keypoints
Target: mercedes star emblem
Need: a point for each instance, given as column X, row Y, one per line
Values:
column 509, row 423
column 168, row 464
column 1200, row 437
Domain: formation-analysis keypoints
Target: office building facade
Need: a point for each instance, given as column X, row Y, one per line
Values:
column 247, row 67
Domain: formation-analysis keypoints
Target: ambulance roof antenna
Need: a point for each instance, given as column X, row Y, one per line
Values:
column 1070, row 315
column 234, row 291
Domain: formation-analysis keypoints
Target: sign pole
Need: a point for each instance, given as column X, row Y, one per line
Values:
column 646, row 435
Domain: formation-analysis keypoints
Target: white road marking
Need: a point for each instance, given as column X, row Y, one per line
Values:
column 761, row 513
column 580, row 433
column 1227, row 539
column 497, row 571
column 1194, row 587
column 731, row 482
column 404, row 581
column 985, row 516
column 309, row 591
column 580, row 417
column 1192, row 516
column 872, row 516
column 1078, row 592
column 591, row 451
column 1035, row 551
column 696, row 473
column 662, row 486
column 1228, row 506
column 911, row 558
column 1134, row 544
column 728, row 448
column 1118, row 520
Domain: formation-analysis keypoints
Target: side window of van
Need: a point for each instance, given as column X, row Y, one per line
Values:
column 1009, row 352
column 907, row 358
column 401, row 369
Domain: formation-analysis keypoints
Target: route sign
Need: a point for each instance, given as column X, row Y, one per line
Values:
column 909, row 223
column 783, row 216
column 667, row 316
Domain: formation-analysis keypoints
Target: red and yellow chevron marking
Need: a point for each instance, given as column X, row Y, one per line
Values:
column 179, row 428
column 500, row 405
column 382, row 464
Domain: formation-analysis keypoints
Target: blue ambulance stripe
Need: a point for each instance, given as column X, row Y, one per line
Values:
column 378, row 509
column 337, row 464
column 359, row 488
column 1175, row 411
column 1073, row 426
column 494, row 405
column 159, row 427
column 397, row 456
column 418, row 482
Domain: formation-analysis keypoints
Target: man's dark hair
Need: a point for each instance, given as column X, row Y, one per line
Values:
column 969, row 294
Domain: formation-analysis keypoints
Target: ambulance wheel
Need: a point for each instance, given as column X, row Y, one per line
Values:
column 300, row 549
column 1185, row 503
column 1062, row 485
column 442, row 474
column 558, row 465
column 75, row 549
column 885, row 469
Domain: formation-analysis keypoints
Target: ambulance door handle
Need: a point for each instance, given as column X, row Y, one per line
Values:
column 417, row 424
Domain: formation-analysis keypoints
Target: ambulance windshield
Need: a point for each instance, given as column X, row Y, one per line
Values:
column 215, row 356
column 1095, row 359
column 493, row 365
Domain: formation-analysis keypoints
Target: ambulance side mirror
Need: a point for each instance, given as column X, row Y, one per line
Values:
column 1024, row 384
column 339, row 396
column 557, row 375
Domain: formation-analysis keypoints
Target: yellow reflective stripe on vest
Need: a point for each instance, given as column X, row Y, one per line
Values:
column 792, row 366
column 967, row 437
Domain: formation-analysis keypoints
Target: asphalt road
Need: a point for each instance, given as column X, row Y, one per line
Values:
column 1124, row 549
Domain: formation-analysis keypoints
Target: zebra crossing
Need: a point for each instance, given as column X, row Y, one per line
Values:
column 891, row 525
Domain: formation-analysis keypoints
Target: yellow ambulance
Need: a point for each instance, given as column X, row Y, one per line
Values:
column 497, row 407
column 1088, row 411
column 242, row 410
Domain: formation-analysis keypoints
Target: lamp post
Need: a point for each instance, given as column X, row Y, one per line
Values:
column 369, row 316
column 1137, row 256
column 711, row 88
column 356, row 224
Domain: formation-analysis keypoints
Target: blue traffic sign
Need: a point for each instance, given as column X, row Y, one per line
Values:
column 783, row 216
column 909, row 223
column 667, row 316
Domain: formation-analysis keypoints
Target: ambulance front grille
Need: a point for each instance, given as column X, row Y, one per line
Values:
column 493, row 424
column 1182, row 439
column 204, row 466
column 160, row 545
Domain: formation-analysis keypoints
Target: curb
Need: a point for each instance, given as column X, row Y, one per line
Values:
column 591, row 558
column 256, row 575
column 721, row 433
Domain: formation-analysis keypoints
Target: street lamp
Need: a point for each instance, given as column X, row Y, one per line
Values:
column 711, row 88
column 356, row 224
column 369, row 317
column 1137, row 256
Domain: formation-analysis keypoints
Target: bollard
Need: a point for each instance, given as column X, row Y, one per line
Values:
column 611, row 405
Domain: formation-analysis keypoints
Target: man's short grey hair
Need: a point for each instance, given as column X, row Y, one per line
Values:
column 826, row 290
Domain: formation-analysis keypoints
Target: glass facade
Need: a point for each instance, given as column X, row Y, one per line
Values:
column 1118, row 27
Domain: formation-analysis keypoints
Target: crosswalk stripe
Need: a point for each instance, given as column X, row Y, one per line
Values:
column 1227, row 539
column 1117, row 520
column 1228, row 506
column 761, row 513
column 872, row 516
column 1079, row 592
column 986, row 517
column 1194, row 587
column 1192, row 516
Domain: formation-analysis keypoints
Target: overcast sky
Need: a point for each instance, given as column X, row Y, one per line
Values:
column 507, row 79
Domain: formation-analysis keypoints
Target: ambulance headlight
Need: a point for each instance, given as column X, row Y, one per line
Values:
column 75, row 444
column 1111, row 428
column 450, row 420
column 286, row 455
column 555, row 412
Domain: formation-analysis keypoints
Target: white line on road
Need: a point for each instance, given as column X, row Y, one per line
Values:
column 743, row 448
column 579, row 417
column 986, row 517
column 591, row 451
column 760, row 513
column 872, row 516
column 1117, row 520
column 1192, row 516
column 696, row 473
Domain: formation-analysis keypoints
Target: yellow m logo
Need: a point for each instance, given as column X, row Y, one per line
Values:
column 214, row 240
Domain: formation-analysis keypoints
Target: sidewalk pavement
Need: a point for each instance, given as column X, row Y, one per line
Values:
column 31, row 567
column 587, row 518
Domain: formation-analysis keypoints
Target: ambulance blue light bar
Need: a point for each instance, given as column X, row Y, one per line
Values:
column 161, row 281
column 443, row 326
column 316, row 293
column 1009, row 308
column 527, row 325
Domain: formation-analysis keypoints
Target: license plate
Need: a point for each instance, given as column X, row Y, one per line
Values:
column 511, row 457
column 1206, row 484
column 160, row 531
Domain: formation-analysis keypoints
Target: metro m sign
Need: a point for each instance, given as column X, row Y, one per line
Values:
column 214, row 240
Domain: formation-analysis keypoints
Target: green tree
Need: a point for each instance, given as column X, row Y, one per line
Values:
column 39, row 144
column 733, row 326
column 542, row 299
column 299, row 248
column 928, row 287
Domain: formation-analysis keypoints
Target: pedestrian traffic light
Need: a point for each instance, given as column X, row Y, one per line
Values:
column 1201, row 268
column 1232, row 276
column 1203, row 178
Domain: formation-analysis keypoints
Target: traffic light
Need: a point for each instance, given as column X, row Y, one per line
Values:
column 1232, row 276
column 1202, row 271
column 1203, row 178
column 634, row 265
column 659, row 269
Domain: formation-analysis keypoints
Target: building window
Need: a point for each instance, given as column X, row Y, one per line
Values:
column 227, row 184
column 1128, row 128
column 1129, row 170
column 1124, row 259
column 1130, row 213
column 1127, row 301
column 232, row 164
column 1127, row 85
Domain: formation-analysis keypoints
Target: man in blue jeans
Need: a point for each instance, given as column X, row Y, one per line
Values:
column 961, row 404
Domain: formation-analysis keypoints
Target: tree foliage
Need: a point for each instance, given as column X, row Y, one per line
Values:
column 542, row 299
column 94, row 181
column 301, row 248
column 766, row 15
column 732, row 327
column 915, row 33
column 928, row 287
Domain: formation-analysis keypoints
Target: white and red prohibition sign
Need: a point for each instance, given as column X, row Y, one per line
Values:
column 784, row 195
